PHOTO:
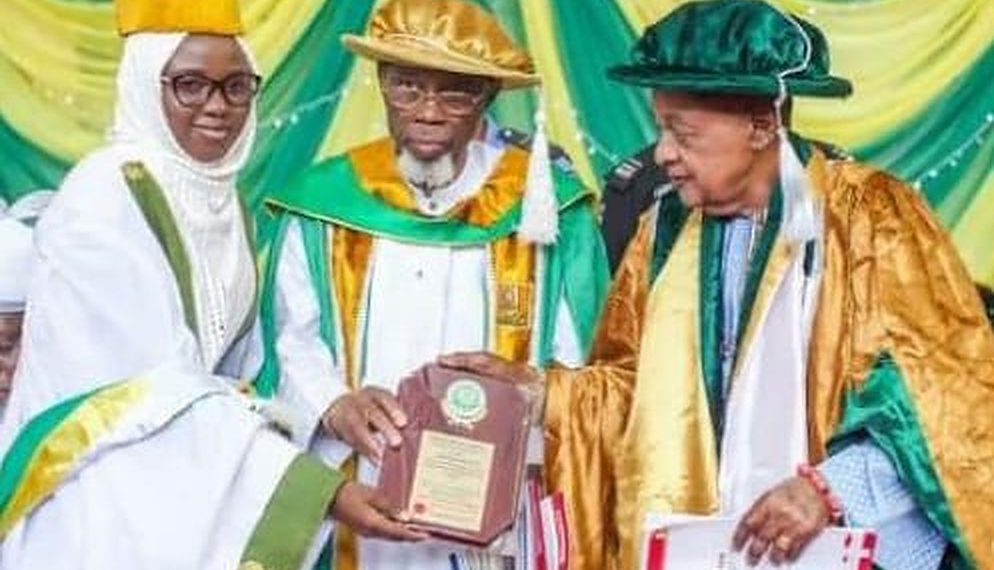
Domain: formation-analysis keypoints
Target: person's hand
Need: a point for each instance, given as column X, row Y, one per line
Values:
column 782, row 521
column 492, row 366
column 363, row 419
column 367, row 512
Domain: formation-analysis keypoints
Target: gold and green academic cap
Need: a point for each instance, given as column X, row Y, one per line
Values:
column 732, row 46
column 448, row 35
column 219, row 17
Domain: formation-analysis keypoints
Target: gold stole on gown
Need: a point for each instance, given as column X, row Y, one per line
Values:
column 513, row 269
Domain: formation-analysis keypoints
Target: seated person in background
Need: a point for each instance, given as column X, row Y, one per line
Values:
column 16, row 222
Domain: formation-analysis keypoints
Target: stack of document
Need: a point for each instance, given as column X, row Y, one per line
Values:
column 705, row 543
column 539, row 540
column 543, row 530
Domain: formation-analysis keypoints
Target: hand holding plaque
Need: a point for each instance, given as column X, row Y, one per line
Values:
column 460, row 466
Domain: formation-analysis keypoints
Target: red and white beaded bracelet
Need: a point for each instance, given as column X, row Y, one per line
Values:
column 817, row 480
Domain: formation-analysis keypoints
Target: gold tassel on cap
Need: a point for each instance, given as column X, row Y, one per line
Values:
column 219, row 17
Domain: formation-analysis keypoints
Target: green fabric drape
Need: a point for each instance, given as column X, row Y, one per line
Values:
column 913, row 151
column 25, row 167
column 513, row 108
column 316, row 68
column 616, row 117
column 947, row 144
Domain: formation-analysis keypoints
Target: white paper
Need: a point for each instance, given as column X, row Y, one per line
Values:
column 705, row 543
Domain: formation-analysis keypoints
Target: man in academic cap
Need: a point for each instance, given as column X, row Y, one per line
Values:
column 791, row 340
column 127, row 441
column 432, row 240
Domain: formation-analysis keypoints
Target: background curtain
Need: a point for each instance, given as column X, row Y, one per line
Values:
column 923, row 108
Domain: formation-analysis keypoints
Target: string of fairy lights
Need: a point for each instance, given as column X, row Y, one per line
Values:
column 952, row 160
column 594, row 147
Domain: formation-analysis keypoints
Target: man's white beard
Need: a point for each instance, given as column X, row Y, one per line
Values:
column 427, row 176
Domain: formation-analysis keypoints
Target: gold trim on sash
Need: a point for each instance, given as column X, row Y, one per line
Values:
column 351, row 255
column 375, row 165
column 514, row 275
column 513, row 270
column 670, row 443
column 59, row 454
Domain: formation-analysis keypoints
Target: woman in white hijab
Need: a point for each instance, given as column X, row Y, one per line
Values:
column 126, row 442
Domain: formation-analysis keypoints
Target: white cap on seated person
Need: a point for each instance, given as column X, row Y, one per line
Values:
column 16, row 223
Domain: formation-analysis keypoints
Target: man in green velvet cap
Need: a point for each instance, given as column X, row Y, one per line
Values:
column 791, row 339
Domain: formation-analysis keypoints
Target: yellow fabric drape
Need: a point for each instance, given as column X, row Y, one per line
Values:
column 514, row 275
column 350, row 256
column 361, row 116
column 376, row 166
column 974, row 233
column 562, row 125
